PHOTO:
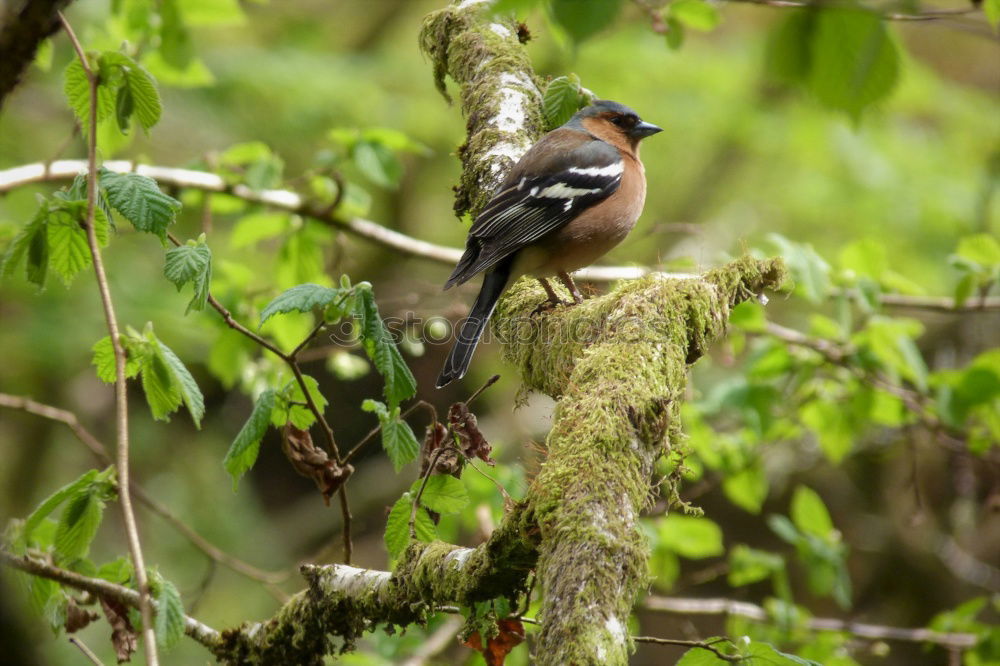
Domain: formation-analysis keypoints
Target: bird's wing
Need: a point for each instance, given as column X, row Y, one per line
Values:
column 560, row 177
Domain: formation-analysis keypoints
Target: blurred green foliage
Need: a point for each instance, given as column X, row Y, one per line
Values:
column 831, row 465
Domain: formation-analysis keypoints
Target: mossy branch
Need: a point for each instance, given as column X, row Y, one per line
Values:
column 618, row 366
column 500, row 94
column 343, row 602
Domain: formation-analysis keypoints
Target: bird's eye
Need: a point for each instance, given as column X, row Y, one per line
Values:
column 619, row 120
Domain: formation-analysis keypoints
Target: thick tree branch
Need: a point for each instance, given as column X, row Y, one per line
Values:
column 200, row 632
column 23, row 26
column 343, row 602
column 865, row 630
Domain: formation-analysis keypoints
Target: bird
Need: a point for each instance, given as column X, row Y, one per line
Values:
column 574, row 195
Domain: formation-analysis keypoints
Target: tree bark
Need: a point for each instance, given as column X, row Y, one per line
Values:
column 23, row 26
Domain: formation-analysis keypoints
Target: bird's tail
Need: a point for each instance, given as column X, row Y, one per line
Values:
column 472, row 328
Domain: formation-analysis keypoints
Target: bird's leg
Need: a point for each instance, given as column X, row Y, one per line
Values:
column 550, row 292
column 552, row 301
column 565, row 278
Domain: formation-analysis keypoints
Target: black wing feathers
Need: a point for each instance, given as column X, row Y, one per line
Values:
column 560, row 177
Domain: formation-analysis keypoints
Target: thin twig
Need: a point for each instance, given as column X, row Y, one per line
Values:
column 215, row 553
column 345, row 511
column 929, row 15
column 87, row 652
column 704, row 645
column 689, row 606
column 377, row 429
column 97, row 586
column 475, row 394
column 121, row 390
column 423, row 484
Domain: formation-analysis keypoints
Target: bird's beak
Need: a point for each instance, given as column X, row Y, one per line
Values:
column 644, row 129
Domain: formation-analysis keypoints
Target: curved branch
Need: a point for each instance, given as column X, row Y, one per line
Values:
column 286, row 200
column 197, row 630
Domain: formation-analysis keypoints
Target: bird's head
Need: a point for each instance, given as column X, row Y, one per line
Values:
column 613, row 122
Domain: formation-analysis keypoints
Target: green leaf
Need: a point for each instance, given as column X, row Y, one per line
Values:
column 169, row 621
column 104, row 361
column 256, row 227
column 53, row 501
column 381, row 348
column 175, row 41
column 398, row 439
column 675, row 33
column 696, row 14
column 584, row 18
column 748, row 565
column 212, row 12
column 982, row 249
column 124, row 106
column 992, row 10
column 397, row 526
column 690, row 536
column 442, row 494
column 77, row 91
column 139, row 200
column 703, row 657
column 69, row 252
column 23, row 242
column 300, row 298
column 298, row 415
column 187, row 386
column 242, row 453
column 809, row 271
column 145, row 98
column 78, row 524
column 831, row 427
column 765, row 653
column 964, row 289
column 378, row 163
column 747, row 488
column 563, row 97
column 809, row 513
column 844, row 57
column 162, row 393
column 117, row 571
column 38, row 254
column 192, row 263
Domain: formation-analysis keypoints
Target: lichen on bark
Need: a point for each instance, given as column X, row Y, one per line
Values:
column 500, row 94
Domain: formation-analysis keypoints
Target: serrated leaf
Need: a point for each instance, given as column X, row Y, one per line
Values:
column 584, row 18
column 381, row 349
column 242, row 453
column 139, row 200
column 69, row 252
column 703, row 657
column 562, row 99
column 124, row 105
column 398, row 440
column 78, row 524
column 191, row 263
column 299, row 415
column 104, row 361
column 397, row 526
column 442, row 494
column 765, row 653
column 18, row 247
column 145, row 98
column 180, row 379
column 300, row 298
column 52, row 502
column 169, row 621
column 77, row 90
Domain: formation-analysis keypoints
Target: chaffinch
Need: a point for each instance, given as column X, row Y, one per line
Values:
column 572, row 197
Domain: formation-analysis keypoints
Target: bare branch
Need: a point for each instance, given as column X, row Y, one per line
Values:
column 198, row 631
column 121, row 390
column 61, row 170
column 100, row 452
column 688, row 606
